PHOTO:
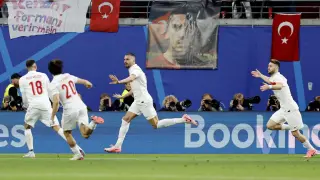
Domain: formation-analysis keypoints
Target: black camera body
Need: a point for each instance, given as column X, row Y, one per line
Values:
column 213, row 103
column 273, row 100
column 180, row 106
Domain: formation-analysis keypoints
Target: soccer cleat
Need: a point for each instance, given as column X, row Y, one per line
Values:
column 310, row 154
column 97, row 119
column 82, row 152
column 30, row 154
column 189, row 120
column 77, row 157
column 112, row 149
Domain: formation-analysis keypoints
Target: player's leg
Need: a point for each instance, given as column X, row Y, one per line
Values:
column 55, row 125
column 130, row 115
column 294, row 120
column 31, row 118
column 73, row 145
column 85, row 127
column 151, row 115
column 68, row 124
column 276, row 122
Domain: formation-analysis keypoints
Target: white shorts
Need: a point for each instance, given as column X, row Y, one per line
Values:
column 33, row 115
column 146, row 108
column 293, row 118
column 72, row 117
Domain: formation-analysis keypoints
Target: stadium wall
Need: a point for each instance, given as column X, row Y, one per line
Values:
column 217, row 133
column 94, row 56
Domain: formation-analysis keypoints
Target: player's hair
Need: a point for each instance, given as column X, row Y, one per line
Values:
column 55, row 67
column 276, row 62
column 30, row 63
column 130, row 54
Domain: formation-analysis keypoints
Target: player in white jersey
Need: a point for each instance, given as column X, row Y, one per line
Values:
column 34, row 88
column 143, row 103
column 63, row 89
column 289, row 111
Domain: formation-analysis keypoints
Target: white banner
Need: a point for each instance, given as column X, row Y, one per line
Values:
column 38, row 17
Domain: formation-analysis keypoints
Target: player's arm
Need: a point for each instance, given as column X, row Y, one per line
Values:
column 55, row 105
column 276, row 86
column 258, row 74
column 272, row 86
column 86, row 83
column 115, row 80
column 124, row 96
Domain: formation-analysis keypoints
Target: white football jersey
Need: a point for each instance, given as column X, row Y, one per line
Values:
column 64, row 85
column 284, row 95
column 34, row 88
column 139, row 85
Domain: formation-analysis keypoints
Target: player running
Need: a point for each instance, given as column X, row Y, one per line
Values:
column 143, row 103
column 63, row 89
column 34, row 89
column 289, row 111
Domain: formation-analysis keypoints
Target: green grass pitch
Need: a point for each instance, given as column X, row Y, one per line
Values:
column 158, row 167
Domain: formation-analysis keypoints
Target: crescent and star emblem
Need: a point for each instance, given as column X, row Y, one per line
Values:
column 105, row 16
column 283, row 24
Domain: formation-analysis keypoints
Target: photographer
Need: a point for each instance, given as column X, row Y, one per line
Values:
column 240, row 104
column 273, row 103
column 171, row 103
column 12, row 105
column 314, row 105
column 105, row 102
column 209, row 104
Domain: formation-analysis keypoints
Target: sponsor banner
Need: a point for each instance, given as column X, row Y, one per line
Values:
column 217, row 133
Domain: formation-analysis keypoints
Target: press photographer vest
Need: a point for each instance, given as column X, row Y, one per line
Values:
column 6, row 92
column 123, row 93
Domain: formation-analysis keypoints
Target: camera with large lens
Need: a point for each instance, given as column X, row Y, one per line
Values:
column 183, row 105
column 211, row 103
column 273, row 100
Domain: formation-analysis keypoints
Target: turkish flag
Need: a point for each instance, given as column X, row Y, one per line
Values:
column 105, row 15
column 285, row 37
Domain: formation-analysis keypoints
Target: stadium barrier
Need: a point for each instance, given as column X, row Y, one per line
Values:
column 217, row 133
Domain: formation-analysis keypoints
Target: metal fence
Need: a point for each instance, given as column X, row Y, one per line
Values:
column 137, row 12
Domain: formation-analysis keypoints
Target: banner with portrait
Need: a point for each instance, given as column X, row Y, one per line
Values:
column 182, row 35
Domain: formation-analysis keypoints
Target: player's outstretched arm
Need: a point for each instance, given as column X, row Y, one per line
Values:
column 273, row 86
column 87, row 83
column 258, row 74
column 55, row 105
column 118, row 96
column 114, row 79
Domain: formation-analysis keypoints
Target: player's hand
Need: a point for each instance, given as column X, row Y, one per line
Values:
column 264, row 87
column 118, row 96
column 256, row 73
column 114, row 79
column 88, row 85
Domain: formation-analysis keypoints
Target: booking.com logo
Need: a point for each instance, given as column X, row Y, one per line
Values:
column 13, row 137
column 257, row 135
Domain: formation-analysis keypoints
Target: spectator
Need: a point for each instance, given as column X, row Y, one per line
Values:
column 273, row 103
column 314, row 105
column 238, row 103
column 169, row 103
column 209, row 104
column 105, row 102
